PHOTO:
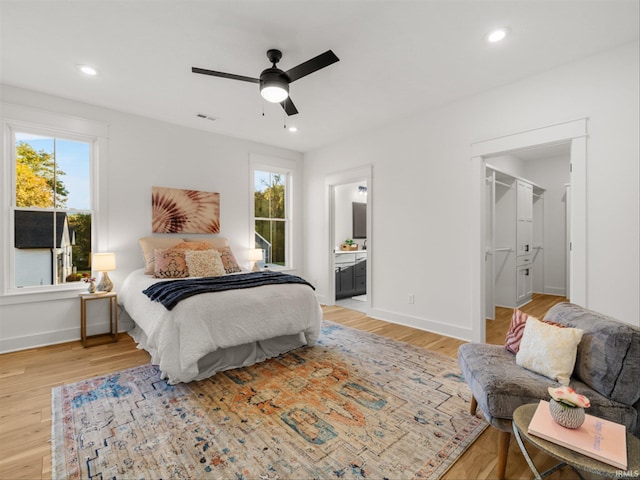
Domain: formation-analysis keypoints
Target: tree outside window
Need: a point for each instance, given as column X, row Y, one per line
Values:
column 52, row 210
column 270, row 213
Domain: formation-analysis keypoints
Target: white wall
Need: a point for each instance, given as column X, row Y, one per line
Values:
column 142, row 153
column 422, row 178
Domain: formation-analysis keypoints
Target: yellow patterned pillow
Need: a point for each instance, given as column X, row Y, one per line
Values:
column 549, row 350
column 204, row 263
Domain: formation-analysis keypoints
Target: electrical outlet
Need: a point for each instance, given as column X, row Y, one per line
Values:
column 412, row 298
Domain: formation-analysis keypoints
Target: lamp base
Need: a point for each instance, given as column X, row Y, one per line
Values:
column 105, row 285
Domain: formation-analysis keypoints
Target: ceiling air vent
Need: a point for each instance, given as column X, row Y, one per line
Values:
column 206, row 117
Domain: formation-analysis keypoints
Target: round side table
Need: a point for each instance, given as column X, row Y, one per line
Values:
column 522, row 417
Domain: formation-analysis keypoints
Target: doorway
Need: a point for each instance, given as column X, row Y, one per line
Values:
column 573, row 133
column 513, row 276
column 350, row 248
column 350, row 245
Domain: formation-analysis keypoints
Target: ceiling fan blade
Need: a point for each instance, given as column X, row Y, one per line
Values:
column 224, row 75
column 289, row 107
column 323, row 60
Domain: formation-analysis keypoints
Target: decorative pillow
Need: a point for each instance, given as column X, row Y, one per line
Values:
column 514, row 335
column 214, row 242
column 228, row 260
column 149, row 244
column 192, row 246
column 204, row 263
column 170, row 263
column 518, row 322
column 221, row 244
column 549, row 350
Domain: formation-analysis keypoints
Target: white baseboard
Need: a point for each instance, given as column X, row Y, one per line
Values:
column 420, row 323
column 54, row 337
column 559, row 291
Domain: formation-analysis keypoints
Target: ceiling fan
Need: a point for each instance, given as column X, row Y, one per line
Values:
column 274, row 83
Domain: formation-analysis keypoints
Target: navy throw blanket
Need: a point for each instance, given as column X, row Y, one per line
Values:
column 171, row 292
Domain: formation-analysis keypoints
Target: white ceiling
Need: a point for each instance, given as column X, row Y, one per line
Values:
column 396, row 57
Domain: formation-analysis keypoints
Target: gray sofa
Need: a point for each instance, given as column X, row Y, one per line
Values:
column 607, row 371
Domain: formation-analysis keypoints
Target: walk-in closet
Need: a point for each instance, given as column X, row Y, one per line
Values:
column 526, row 229
column 517, row 238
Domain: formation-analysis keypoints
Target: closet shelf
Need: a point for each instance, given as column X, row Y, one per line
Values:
column 507, row 176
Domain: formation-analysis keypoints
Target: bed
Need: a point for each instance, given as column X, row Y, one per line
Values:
column 215, row 331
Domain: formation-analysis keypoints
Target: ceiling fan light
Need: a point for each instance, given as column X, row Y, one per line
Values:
column 274, row 87
column 274, row 93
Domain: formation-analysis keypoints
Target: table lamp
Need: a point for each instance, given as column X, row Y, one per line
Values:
column 255, row 255
column 104, row 262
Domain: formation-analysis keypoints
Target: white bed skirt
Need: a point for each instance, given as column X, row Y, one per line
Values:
column 217, row 331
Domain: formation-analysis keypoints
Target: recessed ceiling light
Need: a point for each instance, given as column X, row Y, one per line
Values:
column 87, row 70
column 293, row 129
column 497, row 35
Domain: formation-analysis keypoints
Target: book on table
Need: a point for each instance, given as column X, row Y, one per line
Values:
column 598, row 438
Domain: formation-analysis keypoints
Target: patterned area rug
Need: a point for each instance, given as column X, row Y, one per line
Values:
column 355, row 406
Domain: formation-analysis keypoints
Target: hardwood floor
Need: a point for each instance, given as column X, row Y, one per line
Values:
column 26, row 379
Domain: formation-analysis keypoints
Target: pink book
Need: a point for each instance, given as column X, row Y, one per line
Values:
column 596, row 437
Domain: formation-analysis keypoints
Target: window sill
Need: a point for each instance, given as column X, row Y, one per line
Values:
column 41, row 295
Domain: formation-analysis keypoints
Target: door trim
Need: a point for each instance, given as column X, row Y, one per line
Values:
column 333, row 180
column 574, row 131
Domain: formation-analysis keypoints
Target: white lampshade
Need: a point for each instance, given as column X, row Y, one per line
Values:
column 255, row 254
column 103, row 262
column 274, row 93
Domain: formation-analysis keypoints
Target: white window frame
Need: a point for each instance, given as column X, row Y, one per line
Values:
column 16, row 118
column 284, row 167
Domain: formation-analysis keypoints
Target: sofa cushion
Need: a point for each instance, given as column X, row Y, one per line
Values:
column 497, row 383
column 608, row 357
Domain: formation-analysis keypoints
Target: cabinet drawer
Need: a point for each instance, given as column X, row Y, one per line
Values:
column 524, row 260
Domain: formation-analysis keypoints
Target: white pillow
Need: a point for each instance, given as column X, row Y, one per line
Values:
column 204, row 263
column 549, row 350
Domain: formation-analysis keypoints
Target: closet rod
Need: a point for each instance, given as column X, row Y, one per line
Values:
column 498, row 182
column 502, row 249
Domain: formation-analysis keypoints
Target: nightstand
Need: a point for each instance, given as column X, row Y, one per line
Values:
column 112, row 335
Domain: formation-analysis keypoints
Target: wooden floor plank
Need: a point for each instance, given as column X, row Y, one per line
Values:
column 26, row 379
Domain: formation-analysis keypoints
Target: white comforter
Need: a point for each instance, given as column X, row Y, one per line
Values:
column 205, row 323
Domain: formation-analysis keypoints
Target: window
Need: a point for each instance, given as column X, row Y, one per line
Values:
column 270, row 215
column 52, row 214
column 271, row 202
column 52, row 176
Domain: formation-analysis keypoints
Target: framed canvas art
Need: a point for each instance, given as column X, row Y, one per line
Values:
column 184, row 211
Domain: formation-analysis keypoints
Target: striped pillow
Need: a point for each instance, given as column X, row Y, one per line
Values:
column 516, row 329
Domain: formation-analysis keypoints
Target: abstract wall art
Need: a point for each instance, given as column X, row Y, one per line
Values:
column 184, row 211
